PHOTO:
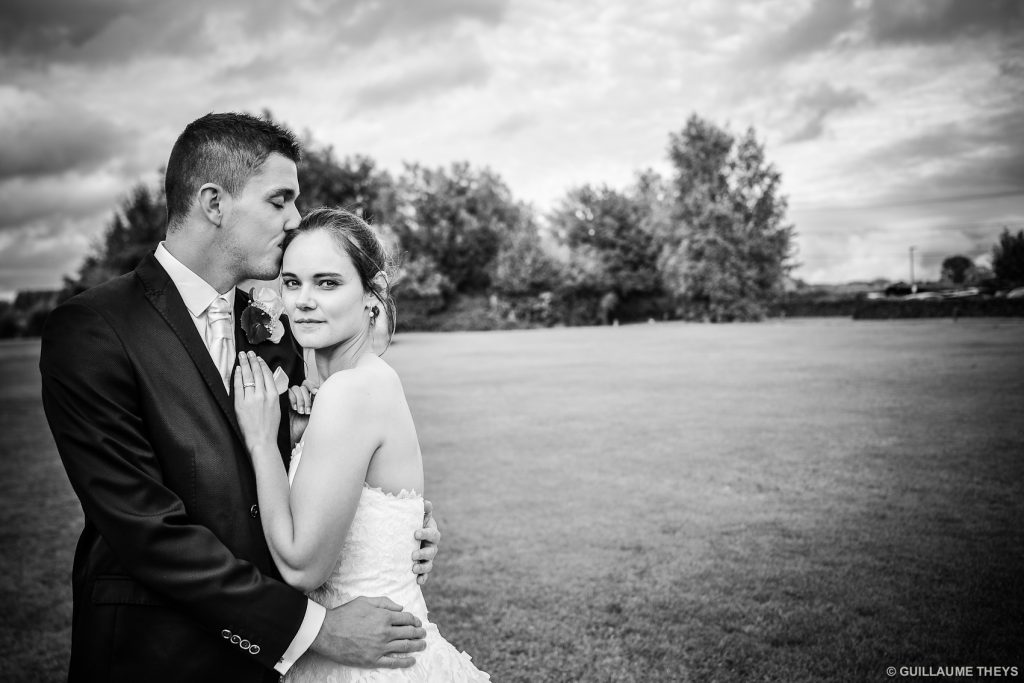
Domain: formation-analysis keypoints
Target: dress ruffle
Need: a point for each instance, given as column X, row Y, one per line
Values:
column 440, row 662
column 376, row 559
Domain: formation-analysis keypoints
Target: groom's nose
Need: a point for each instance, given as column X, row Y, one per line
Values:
column 293, row 219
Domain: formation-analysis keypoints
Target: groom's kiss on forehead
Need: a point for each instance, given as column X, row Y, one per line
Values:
column 236, row 203
column 258, row 218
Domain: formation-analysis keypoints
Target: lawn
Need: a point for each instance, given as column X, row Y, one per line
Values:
column 799, row 501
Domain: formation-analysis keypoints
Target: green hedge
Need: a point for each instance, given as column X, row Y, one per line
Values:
column 810, row 308
column 974, row 307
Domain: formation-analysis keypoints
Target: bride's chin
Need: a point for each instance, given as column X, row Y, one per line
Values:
column 306, row 341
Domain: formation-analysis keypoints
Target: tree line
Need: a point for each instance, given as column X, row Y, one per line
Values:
column 708, row 242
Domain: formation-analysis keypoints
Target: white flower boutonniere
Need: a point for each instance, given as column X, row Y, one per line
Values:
column 261, row 319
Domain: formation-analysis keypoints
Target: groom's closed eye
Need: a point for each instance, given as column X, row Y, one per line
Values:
column 281, row 197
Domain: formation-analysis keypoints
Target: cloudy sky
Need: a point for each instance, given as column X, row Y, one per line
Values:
column 895, row 123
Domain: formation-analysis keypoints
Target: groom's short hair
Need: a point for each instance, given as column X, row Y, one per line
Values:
column 226, row 149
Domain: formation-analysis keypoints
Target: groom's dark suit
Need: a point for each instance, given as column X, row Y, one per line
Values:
column 172, row 577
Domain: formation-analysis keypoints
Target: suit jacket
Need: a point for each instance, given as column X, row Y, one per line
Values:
column 172, row 578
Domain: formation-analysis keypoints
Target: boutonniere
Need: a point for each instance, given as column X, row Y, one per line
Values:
column 261, row 319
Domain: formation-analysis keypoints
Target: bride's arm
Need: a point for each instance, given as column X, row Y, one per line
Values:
column 305, row 525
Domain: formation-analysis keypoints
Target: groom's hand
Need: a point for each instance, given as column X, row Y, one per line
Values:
column 301, row 400
column 370, row 632
column 429, row 536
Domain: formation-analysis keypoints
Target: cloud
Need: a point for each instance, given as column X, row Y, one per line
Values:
column 109, row 31
column 980, row 158
column 829, row 24
column 815, row 105
column 42, row 137
column 29, row 26
column 514, row 123
column 48, row 199
column 37, row 255
column 437, row 73
column 101, row 31
column 366, row 21
column 930, row 21
column 814, row 30
column 49, row 224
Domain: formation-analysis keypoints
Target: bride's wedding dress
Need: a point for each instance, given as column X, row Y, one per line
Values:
column 376, row 559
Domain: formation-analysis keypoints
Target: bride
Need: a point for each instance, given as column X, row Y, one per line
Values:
column 341, row 524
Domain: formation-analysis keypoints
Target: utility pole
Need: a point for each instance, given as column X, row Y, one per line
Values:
column 913, row 285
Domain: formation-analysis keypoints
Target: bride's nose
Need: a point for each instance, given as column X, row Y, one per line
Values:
column 304, row 301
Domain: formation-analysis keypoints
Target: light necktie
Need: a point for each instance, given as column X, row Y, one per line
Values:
column 220, row 338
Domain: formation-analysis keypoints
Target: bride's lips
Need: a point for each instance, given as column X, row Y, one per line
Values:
column 305, row 321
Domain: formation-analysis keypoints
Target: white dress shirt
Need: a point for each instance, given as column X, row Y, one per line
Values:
column 198, row 294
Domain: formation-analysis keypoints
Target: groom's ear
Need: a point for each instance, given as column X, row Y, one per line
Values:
column 212, row 199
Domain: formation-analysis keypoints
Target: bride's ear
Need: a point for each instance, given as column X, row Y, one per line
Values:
column 378, row 290
column 381, row 282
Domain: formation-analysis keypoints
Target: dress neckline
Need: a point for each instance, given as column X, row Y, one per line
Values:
column 404, row 494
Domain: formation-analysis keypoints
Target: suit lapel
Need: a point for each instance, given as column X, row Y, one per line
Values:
column 164, row 296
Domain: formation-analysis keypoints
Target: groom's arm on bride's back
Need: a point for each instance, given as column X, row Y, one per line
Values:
column 97, row 411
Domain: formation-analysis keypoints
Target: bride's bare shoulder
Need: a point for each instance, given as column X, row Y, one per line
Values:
column 371, row 379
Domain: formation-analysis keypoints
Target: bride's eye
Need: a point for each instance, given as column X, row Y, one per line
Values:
column 290, row 283
column 329, row 284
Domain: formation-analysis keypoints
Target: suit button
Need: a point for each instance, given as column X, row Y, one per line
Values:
column 254, row 511
column 236, row 639
column 254, row 649
column 225, row 633
column 244, row 644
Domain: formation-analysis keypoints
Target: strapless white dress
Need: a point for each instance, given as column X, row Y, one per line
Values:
column 376, row 559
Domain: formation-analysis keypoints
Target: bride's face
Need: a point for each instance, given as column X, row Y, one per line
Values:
column 322, row 292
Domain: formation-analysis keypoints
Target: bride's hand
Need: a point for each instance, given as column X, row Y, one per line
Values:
column 256, row 403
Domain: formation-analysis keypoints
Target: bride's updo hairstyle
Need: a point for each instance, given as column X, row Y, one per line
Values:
column 367, row 251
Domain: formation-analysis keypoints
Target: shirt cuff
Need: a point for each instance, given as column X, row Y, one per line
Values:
column 311, row 623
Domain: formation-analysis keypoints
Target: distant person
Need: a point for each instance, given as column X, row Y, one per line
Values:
column 607, row 307
column 341, row 522
column 173, row 579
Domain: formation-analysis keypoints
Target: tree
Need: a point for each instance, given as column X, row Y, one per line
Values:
column 523, row 267
column 1008, row 257
column 956, row 269
column 656, row 196
column 421, row 279
column 135, row 229
column 353, row 183
column 729, row 246
column 609, row 248
column 457, row 218
column 420, row 289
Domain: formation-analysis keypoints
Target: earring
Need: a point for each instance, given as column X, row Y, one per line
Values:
column 374, row 312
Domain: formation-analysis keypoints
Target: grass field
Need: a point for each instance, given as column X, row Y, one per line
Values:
column 811, row 500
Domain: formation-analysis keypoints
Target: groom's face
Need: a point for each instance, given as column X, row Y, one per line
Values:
column 261, row 213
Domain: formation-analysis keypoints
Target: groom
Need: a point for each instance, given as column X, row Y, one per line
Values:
column 172, row 577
